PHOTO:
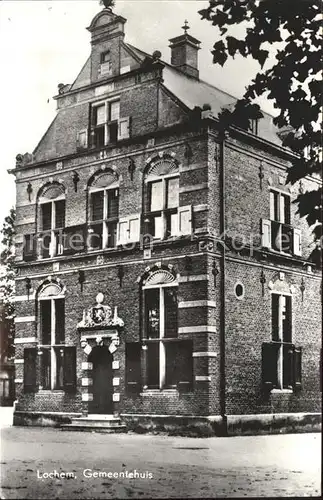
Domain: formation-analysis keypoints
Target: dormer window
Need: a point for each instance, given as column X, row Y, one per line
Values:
column 106, row 125
column 105, row 118
column 105, row 64
column 253, row 127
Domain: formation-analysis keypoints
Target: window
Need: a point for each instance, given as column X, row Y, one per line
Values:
column 51, row 222
column 104, row 214
column 278, row 233
column 103, row 211
column 56, row 360
column 168, row 359
column 281, row 359
column 253, row 127
column 105, row 67
column 106, row 125
column 163, row 216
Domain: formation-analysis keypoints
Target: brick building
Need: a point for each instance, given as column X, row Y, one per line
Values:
column 129, row 301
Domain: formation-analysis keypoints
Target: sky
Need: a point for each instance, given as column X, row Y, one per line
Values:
column 44, row 43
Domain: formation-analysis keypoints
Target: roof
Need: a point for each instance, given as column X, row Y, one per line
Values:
column 194, row 92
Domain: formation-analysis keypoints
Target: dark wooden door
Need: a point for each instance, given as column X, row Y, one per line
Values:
column 102, row 381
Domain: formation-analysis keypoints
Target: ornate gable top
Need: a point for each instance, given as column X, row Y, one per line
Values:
column 100, row 315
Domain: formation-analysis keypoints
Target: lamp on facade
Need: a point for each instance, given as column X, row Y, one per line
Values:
column 263, row 281
column 81, row 278
column 131, row 168
column 28, row 286
column 120, row 274
column 215, row 272
column 75, row 180
column 29, row 190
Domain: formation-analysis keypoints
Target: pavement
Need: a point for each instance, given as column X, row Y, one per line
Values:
column 117, row 466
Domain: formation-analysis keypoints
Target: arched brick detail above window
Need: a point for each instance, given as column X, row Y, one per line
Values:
column 51, row 192
column 161, row 167
column 50, row 288
column 104, row 180
column 158, row 274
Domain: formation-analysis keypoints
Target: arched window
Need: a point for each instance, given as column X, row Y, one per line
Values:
column 51, row 215
column 168, row 359
column 163, row 216
column 51, row 308
column 103, row 210
column 162, row 198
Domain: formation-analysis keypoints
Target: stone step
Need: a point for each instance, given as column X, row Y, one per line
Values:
column 95, row 423
column 87, row 428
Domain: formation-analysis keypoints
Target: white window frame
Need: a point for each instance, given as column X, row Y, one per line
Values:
column 162, row 348
column 105, row 220
column 280, row 357
column 53, row 235
column 53, row 347
column 106, row 103
column 164, row 180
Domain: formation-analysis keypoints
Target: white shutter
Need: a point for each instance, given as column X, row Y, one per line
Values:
column 82, row 139
column 185, row 219
column 266, row 233
column 123, row 231
column 128, row 229
column 123, row 128
column 272, row 205
column 297, row 242
column 134, row 228
column 282, row 209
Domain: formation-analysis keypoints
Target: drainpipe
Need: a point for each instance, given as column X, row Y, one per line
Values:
column 223, row 136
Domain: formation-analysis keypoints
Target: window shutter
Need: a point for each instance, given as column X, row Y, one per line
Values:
column 298, row 368
column 134, row 228
column 46, row 321
column 29, row 249
column 60, row 321
column 123, row 231
column 133, row 367
column 60, row 214
column 269, row 365
column 184, row 363
column 123, row 128
column 185, row 219
column 82, row 139
column 128, row 229
column 30, row 369
column 70, row 369
column 297, row 242
column 97, row 203
column 74, row 239
column 288, row 366
column 46, row 216
column 266, row 233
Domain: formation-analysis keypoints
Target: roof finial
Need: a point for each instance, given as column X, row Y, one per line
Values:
column 108, row 4
column 185, row 27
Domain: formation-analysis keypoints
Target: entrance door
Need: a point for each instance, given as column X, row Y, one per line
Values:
column 102, row 381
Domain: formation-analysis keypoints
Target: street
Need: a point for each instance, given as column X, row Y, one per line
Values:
column 154, row 466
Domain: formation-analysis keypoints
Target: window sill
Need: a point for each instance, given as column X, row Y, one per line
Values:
column 148, row 392
column 51, row 391
column 281, row 391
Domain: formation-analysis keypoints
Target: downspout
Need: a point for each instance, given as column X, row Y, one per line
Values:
column 223, row 136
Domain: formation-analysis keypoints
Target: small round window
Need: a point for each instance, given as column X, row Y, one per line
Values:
column 239, row 290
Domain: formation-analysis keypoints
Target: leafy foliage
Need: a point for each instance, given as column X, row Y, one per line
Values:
column 7, row 287
column 293, row 80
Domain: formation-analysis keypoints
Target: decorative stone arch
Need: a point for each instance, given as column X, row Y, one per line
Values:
column 160, row 166
column 280, row 285
column 105, row 177
column 158, row 274
column 51, row 191
column 49, row 288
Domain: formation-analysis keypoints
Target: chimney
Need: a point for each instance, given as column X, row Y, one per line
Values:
column 184, row 52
